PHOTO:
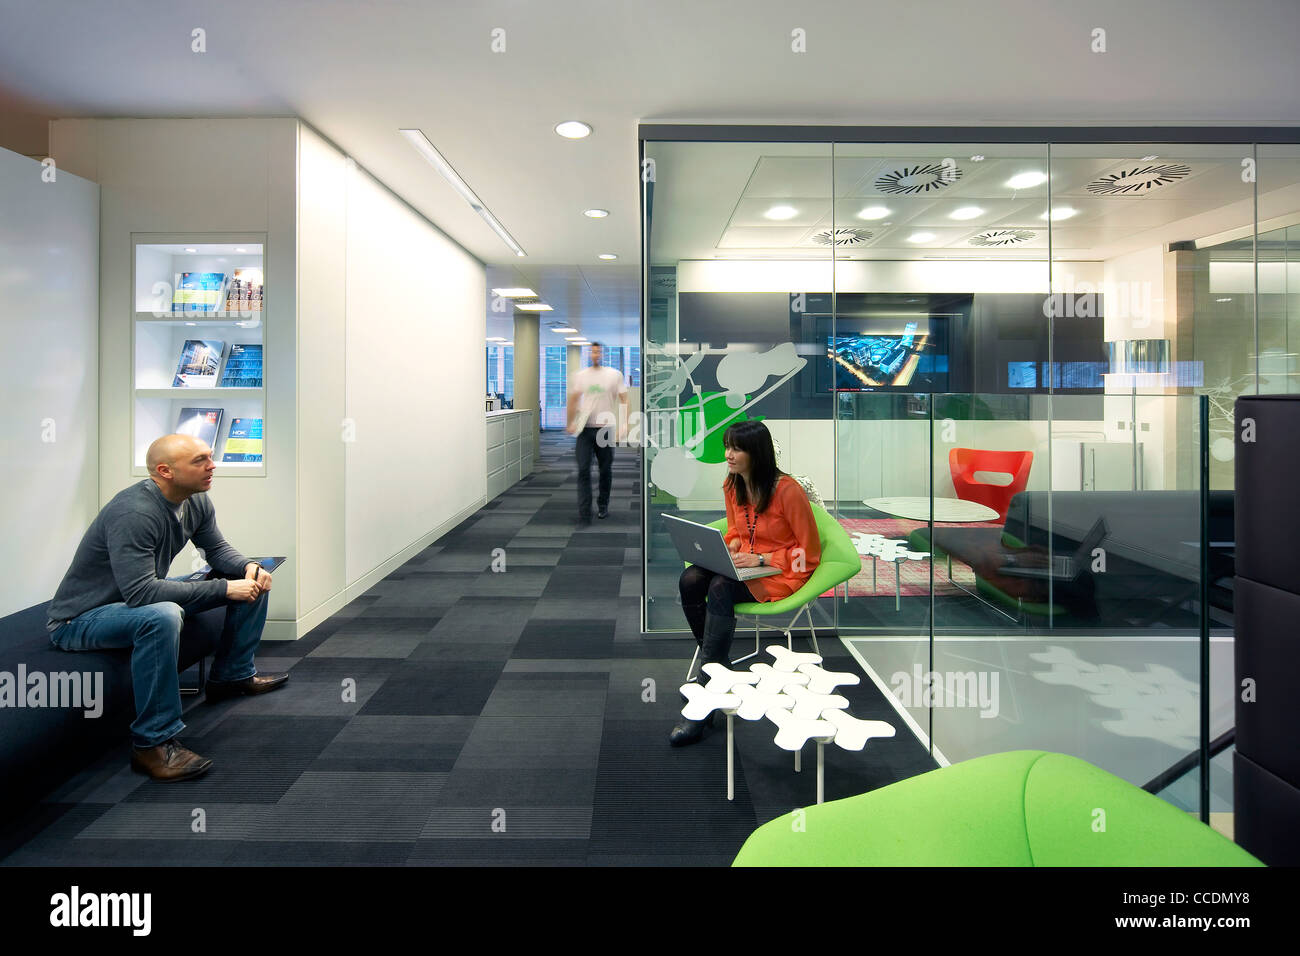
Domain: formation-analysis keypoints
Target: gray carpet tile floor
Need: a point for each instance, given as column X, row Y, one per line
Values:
column 454, row 715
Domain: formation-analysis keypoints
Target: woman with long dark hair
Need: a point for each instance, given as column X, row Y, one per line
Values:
column 769, row 523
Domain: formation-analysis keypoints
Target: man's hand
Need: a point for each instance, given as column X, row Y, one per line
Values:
column 745, row 559
column 243, row 589
column 255, row 572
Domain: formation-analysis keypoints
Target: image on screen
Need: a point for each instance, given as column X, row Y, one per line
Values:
column 877, row 361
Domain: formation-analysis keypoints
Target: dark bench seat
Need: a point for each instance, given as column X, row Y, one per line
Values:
column 41, row 747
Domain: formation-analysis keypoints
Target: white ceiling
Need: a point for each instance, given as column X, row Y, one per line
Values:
column 358, row 70
column 711, row 199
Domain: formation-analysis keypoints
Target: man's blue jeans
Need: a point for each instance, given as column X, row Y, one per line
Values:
column 153, row 632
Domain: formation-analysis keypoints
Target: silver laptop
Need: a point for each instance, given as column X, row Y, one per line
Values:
column 702, row 545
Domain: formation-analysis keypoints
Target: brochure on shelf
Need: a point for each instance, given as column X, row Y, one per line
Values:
column 202, row 423
column 243, row 366
column 199, row 363
column 245, row 292
column 244, row 443
column 199, row 291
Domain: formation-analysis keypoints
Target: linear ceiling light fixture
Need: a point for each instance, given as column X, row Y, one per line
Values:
column 425, row 148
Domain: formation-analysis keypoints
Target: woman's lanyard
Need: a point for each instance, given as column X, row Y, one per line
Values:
column 752, row 525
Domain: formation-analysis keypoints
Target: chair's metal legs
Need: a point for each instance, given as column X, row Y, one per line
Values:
column 731, row 759
column 821, row 772
column 691, row 667
column 754, row 652
column 797, row 767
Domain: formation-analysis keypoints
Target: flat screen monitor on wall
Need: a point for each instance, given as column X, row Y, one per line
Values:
column 867, row 362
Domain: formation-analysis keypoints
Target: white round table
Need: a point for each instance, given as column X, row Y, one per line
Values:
column 938, row 509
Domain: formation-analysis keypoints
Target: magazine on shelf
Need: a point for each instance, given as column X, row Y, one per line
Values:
column 244, row 443
column 202, row 423
column 245, row 292
column 199, row 364
column 198, row 291
column 243, row 366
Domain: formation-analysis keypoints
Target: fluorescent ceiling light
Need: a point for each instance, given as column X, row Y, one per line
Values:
column 507, row 343
column 495, row 338
column 240, row 250
column 1026, row 180
column 595, row 213
column 191, row 250
column 920, row 237
column 781, row 212
column 573, row 129
column 1061, row 212
column 563, row 331
column 873, row 212
column 607, row 255
column 576, row 338
column 514, row 293
column 425, row 148
column 966, row 212
column 533, row 307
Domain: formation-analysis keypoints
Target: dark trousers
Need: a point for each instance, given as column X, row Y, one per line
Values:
column 604, row 452
column 709, row 602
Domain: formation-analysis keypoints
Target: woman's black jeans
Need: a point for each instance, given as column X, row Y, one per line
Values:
column 709, row 602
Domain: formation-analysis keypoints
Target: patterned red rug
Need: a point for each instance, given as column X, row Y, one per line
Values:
column 914, row 575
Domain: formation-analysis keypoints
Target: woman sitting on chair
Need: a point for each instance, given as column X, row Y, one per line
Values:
column 769, row 523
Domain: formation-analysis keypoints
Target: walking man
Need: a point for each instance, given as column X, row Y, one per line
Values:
column 593, row 418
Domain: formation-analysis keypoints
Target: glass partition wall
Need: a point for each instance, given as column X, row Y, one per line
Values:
column 1007, row 368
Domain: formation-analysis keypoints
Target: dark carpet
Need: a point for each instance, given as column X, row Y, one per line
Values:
column 457, row 715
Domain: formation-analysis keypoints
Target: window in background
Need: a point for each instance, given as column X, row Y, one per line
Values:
column 554, row 392
column 626, row 360
column 501, row 373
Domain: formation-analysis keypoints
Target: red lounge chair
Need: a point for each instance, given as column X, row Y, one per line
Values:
column 965, row 462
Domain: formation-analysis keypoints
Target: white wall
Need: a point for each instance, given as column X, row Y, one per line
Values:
column 189, row 177
column 416, row 324
column 322, row 313
column 49, row 367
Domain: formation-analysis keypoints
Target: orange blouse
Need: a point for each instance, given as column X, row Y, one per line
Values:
column 779, row 532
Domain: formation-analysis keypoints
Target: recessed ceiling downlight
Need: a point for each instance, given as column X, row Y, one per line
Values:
column 966, row 212
column 920, row 237
column 873, row 212
column 1060, row 212
column 595, row 213
column 573, row 129
column 1026, row 180
column 781, row 212
column 607, row 256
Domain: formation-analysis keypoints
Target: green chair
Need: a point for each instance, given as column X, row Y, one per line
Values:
column 1023, row 808
column 839, row 562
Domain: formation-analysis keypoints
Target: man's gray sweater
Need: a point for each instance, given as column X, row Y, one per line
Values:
column 129, row 547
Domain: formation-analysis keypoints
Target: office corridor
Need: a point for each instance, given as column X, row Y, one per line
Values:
column 498, row 717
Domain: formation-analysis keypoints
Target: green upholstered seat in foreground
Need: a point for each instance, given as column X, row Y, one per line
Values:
column 1023, row 808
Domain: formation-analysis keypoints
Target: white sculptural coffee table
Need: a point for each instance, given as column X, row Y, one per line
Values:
column 922, row 508
column 893, row 550
column 796, row 694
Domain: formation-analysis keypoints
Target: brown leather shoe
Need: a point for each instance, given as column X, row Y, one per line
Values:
column 257, row 684
column 169, row 761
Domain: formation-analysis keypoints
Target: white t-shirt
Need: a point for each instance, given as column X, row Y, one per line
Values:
column 599, row 388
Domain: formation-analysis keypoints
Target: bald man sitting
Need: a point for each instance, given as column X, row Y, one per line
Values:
column 117, row 594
